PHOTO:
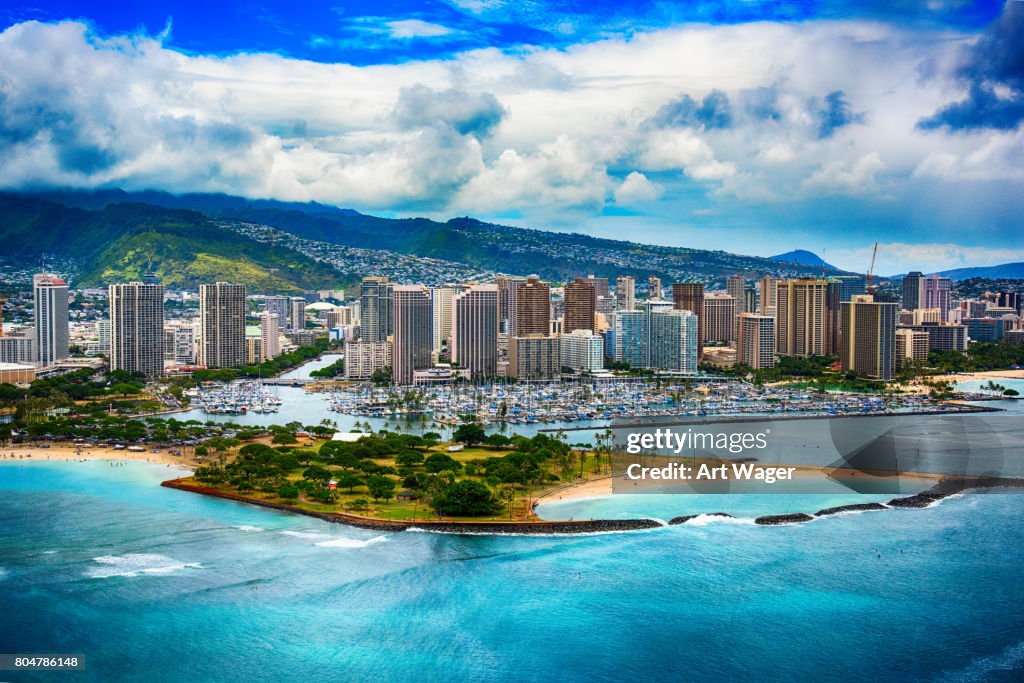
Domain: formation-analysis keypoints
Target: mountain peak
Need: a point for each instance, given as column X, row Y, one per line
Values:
column 802, row 257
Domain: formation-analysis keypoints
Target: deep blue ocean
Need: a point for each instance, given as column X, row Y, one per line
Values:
column 152, row 584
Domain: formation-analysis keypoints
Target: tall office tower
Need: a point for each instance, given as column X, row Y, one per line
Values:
column 912, row 290
column 689, row 296
column 506, row 294
column 805, row 319
column 441, row 307
column 719, row 319
column 222, row 325
column 580, row 306
column 375, row 309
column 749, row 298
column 534, row 357
column 296, row 314
column 767, row 305
column 935, row 294
column 755, row 341
column 530, row 308
column 411, row 341
column 475, row 330
column 869, row 337
column 736, row 287
column 279, row 306
column 270, row 333
column 51, row 318
column 653, row 287
column 650, row 308
column 631, row 338
column 600, row 285
column 583, row 351
column 920, row 316
column 137, row 328
column 625, row 293
column 850, row 285
column 674, row 340
column 911, row 346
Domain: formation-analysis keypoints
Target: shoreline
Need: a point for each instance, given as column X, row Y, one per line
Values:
column 63, row 452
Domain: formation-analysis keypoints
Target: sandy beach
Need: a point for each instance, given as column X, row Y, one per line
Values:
column 972, row 376
column 22, row 453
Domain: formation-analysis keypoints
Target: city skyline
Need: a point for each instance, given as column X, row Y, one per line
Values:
column 822, row 127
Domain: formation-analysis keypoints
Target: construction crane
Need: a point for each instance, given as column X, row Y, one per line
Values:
column 871, row 268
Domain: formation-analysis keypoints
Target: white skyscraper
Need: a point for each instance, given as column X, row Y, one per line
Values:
column 475, row 330
column 270, row 334
column 51, row 318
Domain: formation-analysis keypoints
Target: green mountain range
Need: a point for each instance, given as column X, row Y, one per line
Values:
column 120, row 242
column 519, row 251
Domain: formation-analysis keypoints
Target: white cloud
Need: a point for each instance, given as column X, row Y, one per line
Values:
column 417, row 28
column 855, row 179
column 636, row 189
column 487, row 130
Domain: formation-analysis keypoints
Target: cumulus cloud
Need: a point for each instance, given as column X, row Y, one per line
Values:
column 636, row 189
column 713, row 112
column 855, row 179
column 467, row 113
column 993, row 72
column 741, row 113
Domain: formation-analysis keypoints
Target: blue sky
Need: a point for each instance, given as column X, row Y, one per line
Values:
column 746, row 126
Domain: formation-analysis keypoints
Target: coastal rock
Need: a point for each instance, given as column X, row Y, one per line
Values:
column 792, row 518
column 856, row 507
column 686, row 518
column 918, row 500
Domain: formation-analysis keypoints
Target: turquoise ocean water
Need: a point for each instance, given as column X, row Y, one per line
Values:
column 152, row 584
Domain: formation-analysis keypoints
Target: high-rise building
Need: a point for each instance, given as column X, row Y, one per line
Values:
column 137, row 328
column 869, row 337
column 674, row 339
column 535, row 357
column 270, row 333
column 18, row 346
column 850, row 285
column 222, row 325
column 600, row 285
column 911, row 286
column 530, row 311
column 279, row 306
column 180, row 342
column 920, row 316
column 935, row 294
column 805, row 317
column 51, row 318
column 441, row 307
column 253, row 345
column 411, row 341
column 475, row 330
column 103, row 337
column 1014, row 300
column 506, row 303
column 767, row 304
column 375, row 309
column 580, row 306
column 625, row 293
column 689, row 296
column 363, row 358
column 631, row 338
column 736, row 287
column 719, row 319
column 755, row 341
column 296, row 314
column 653, row 287
column 583, row 351
column 911, row 346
